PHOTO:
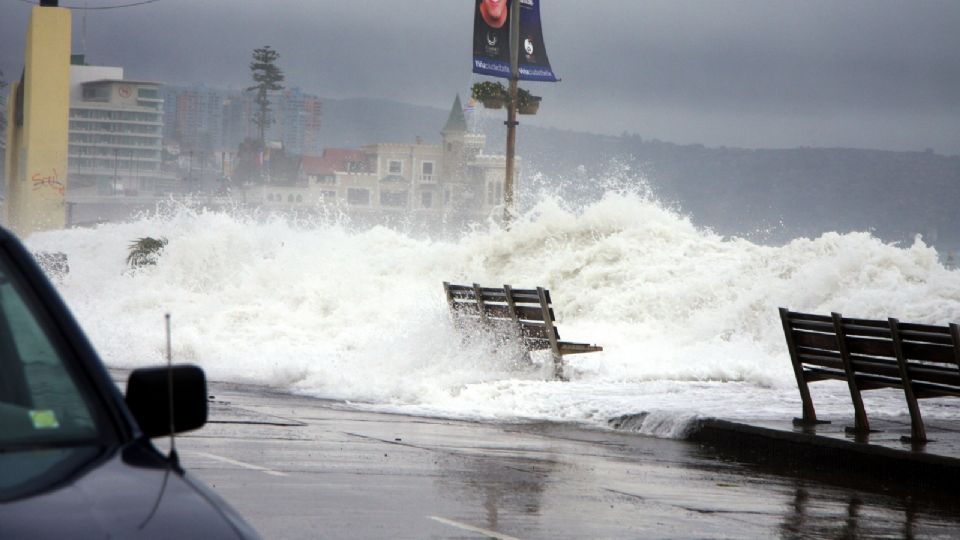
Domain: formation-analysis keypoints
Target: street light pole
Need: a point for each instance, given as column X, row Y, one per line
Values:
column 512, row 111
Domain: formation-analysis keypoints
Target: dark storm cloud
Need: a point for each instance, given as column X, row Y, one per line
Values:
column 753, row 73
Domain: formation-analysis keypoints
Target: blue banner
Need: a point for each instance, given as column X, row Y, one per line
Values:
column 491, row 41
column 534, row 65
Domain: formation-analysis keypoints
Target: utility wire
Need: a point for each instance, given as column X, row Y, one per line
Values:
column 85, row 8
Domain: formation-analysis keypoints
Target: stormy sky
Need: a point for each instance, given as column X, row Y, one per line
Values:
column 753, row 73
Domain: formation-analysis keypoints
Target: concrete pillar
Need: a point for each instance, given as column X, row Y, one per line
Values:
column 37, row 147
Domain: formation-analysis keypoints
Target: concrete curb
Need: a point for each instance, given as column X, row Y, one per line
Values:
column 809, row 454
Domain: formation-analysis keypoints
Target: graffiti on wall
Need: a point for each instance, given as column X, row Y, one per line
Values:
column 51, row 181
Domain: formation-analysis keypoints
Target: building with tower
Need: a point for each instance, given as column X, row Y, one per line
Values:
column 454, row 181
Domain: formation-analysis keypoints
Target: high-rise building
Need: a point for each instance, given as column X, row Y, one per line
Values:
column 194, row 118
column 213, row 120
column 298, row 121
column 115, row 134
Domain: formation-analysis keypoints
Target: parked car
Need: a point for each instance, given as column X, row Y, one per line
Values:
column 76, row 459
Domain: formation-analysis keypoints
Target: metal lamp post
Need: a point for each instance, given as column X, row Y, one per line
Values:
column 512, row 122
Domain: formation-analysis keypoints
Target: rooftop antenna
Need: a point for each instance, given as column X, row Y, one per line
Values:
column 173, row 461
column 173, row 457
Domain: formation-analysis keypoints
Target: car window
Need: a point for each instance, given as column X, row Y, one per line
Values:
column 41, row 402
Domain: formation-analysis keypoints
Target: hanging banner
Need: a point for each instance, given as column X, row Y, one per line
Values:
column 534, row 65
column 491, row 38
column 491, row 41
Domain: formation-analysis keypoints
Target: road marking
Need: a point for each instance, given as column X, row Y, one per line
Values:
column 241, row 464
column 471, row 528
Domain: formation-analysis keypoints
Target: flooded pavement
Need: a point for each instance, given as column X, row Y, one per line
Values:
column 297, row 467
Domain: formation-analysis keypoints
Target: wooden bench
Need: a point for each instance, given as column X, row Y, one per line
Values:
column 524, row 314
column 923, row 360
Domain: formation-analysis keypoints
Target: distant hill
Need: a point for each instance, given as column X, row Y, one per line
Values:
column 765, row 195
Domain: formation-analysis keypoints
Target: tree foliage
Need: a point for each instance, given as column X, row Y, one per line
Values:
column 267, row 76
column 145, row 251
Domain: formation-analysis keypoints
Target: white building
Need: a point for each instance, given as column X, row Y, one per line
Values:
column 453, row 180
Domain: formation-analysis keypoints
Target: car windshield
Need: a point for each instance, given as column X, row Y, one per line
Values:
column 43, row 402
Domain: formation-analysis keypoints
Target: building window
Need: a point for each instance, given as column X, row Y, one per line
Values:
column 299, row 198
column 393, row 198
column 446, row 196
column 96, row 93
column 395, row 166
column 426, row 171
column 358, row 197
column 290, row 198
column 328, row 196
column 426, row 199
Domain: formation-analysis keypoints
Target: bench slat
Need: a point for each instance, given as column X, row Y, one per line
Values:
column 567, row 347
column 794, row 316
column 925, row 390
column 927, row 337
column 524, row 296
column 862, row 330
column 864, row 323
column 929, row 352
column 525, row 313
column 933, row 374
column 821, row 360
column 815, row 340
column 924, row 328
column 815, row 326
column 871, row 347
column 820, row 374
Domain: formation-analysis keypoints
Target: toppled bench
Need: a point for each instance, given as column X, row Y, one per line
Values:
column 525, row 313
column 921, row 359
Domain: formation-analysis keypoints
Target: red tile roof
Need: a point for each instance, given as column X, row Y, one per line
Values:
column 333, row 160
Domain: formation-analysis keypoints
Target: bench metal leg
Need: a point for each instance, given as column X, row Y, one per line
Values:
column 861, row 424
column 809, row 413
column 917, row 432
column 558, row 368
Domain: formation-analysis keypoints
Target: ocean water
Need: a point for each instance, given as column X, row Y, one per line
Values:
column 688, row 319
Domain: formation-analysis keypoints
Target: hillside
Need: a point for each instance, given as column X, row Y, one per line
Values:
column 766, row 195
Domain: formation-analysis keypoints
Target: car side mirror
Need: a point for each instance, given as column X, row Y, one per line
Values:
column 148, row 398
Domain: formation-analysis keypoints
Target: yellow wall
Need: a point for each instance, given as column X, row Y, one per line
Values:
column 37, row 174
column 13, row 144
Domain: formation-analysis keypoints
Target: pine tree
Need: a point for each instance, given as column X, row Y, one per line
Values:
column 267, row 76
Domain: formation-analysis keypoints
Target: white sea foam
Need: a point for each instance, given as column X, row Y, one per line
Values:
column 688, row 319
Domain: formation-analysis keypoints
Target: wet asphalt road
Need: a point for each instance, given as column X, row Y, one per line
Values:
column 302, row 468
